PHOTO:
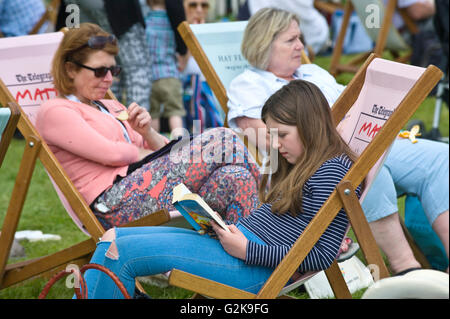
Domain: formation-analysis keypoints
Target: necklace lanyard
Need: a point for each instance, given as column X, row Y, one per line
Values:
column 104, row 110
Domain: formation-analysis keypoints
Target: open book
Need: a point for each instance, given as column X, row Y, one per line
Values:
column 196, row 211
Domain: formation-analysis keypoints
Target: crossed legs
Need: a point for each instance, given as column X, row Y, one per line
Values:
column 420, row 169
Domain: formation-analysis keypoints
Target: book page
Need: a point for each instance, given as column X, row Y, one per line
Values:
column 179, row 191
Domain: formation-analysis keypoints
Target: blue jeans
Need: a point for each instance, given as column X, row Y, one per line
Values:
column 144, row 251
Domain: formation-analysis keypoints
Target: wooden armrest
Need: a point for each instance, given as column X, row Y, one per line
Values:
column 206, row 287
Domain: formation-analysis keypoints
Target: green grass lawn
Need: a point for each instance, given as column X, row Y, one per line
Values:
column 43, row 211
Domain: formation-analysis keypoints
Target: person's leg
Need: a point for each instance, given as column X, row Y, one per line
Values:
column 135, row 59
column 391, row 239
column 232, row 190
column 155, row 124
column 156, row 250
column 106, row 248
column 381, row 211
column 176, row 126
column 440, row 226
column 422, row 169
column 155, row 105
column 173, row 106
column 149, row 188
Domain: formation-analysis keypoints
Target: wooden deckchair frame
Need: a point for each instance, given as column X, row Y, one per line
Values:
column 50, row 14
column 327, row 6
column 37, row 148
column 9, row 130
column 343, row 196
column 336, row 67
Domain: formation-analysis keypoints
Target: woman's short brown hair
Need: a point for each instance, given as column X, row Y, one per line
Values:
column 71, row 49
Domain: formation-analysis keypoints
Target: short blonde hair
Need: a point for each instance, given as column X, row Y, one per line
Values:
column 262, row 29
column 68, row 51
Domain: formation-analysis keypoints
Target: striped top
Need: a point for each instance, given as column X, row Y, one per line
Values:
column 161, row 42
column 279, row 232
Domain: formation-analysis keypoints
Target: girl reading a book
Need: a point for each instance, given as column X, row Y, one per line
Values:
column 312, row 160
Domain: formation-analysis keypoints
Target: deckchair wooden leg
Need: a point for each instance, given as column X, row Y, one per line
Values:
column 384, row 31
column 337, row 282
column 361, row 228
column 20, row 271
column 359, row 59
column 336, row 56
column 17, row 201
column 404, row 58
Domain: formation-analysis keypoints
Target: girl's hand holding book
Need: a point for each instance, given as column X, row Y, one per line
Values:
column 234, row 242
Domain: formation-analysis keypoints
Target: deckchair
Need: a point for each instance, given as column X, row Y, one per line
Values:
column 380, row 87
column 216, row 48
column 25, row 79
column 385, row 37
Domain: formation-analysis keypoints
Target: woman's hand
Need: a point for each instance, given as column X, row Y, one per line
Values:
column 234, row 243
column 140, row 121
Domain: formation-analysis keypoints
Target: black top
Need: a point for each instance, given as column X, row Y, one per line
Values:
column 123, row 14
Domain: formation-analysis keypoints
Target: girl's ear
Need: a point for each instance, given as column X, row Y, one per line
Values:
column 70, row 69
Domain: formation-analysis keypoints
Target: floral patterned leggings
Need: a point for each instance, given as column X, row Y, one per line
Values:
column 216, row 165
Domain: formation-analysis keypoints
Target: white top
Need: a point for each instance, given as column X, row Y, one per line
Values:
column 249, row 90
column 313, row 24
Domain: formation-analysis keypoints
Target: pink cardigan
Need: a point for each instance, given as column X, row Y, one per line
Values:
column 89, row 144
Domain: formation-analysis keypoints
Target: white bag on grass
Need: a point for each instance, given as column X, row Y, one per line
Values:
column 356, row 275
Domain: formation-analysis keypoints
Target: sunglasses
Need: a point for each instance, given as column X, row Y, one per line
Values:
column 98, row 42
column 101, row 71
column 193, row 5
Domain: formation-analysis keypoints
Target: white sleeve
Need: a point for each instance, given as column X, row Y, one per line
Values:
column 246, row 97
column 324, row 81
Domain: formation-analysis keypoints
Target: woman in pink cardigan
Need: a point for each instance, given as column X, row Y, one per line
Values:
column 122, row 167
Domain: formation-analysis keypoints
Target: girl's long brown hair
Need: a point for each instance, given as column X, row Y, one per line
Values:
column 301, row 104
